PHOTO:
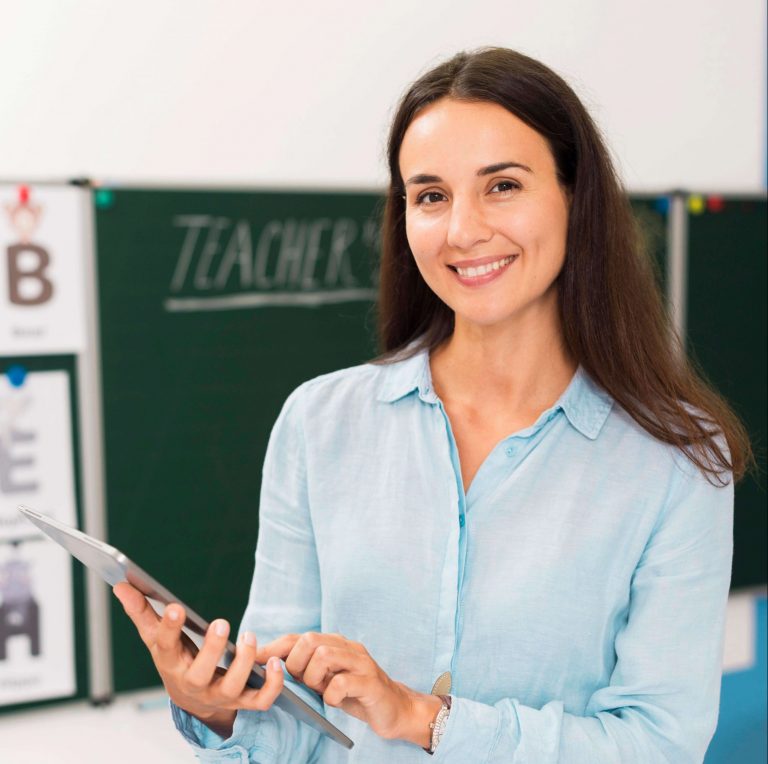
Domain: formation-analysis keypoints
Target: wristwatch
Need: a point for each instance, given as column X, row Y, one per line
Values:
column 438, row 726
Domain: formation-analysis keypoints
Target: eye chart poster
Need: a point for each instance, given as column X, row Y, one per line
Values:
column 37, row 658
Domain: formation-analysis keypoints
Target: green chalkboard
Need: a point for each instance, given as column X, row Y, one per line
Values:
column 727, row 335
column 214, row 306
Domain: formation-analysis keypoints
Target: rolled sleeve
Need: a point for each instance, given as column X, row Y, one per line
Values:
column 258, row 737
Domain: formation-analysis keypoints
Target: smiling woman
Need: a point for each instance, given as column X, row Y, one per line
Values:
column 507, row 539
column 562, row 208
column 480, row 222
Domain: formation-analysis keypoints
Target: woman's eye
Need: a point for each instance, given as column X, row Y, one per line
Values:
column 429, row 197
column 506, row 186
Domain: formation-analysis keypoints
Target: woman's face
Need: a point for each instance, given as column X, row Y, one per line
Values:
column 486, row 217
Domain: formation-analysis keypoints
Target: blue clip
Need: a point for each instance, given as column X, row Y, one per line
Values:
column 16, row 375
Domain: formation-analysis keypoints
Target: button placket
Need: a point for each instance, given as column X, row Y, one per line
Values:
column 457, row 555
column 445, row 638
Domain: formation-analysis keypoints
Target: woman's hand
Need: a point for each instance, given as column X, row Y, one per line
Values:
column 348, row 678
column 194, row 682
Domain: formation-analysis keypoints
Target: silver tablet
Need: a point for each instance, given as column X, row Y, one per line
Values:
column 113, row 566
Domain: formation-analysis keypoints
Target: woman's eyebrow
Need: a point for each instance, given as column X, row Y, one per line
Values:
column 492, row 168
column 489, row 170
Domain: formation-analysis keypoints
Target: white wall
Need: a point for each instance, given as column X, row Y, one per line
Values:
column 299, row 93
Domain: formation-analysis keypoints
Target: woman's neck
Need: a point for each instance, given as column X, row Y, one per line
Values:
column 522, row 366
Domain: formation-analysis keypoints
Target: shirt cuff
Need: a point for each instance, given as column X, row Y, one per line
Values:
column 211, row 747
column 470, row 732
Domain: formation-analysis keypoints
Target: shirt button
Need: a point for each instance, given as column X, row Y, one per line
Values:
column 461, row 521
column 509, row 451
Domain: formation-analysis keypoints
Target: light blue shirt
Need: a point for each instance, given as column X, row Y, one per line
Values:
column 576, row 593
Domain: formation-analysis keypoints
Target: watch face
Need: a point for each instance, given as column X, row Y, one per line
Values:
column 439, row 724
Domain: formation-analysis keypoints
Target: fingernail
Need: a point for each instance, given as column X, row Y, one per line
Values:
column 220, row 628
column 249, row 639
column 273, row 664
column 173, row 614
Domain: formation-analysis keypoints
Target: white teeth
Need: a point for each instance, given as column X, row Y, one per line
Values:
column 481, row 270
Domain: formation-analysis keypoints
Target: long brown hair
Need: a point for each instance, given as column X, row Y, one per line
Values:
column 613, row 315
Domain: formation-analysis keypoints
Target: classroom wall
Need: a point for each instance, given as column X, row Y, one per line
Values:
column 244, row 92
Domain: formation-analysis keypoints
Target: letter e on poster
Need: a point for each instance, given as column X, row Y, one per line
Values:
column 37, row 657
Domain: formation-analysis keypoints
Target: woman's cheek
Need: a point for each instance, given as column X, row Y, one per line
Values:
column 426, row 230
column 425, row 250
column 428, row 268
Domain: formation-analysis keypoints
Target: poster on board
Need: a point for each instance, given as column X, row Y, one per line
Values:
column 37, row 656
column 42, row 241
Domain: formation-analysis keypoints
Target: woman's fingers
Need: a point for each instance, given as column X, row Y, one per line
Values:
column 305, row 646
column 262, row 699
column 232, row 688
column 312, row 657
column 345, row 685
column 138, row 610
column 328, row 660
column 232, row 684
column 279, row 647
column 200, row 672
column 168, row 646
column 161, row 635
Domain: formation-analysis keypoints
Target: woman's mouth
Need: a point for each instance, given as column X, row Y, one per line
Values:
column 478, row 275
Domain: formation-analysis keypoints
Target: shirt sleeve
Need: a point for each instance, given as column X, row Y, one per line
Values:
column 284, row 598
column 662, row 701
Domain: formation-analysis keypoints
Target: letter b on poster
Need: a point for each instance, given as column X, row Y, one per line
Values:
column 41, row 270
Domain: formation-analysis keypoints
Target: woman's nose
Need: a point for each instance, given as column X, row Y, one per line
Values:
column 467, row 225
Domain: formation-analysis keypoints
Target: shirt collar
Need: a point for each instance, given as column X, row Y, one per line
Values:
column 585, row 404
column 400, row 378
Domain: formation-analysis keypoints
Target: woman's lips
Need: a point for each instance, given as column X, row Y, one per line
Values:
column 493, row 271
